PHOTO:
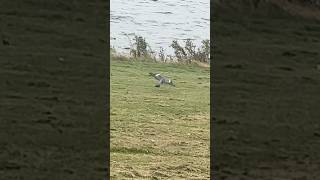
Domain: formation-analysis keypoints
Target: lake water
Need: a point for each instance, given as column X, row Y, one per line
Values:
column 159, row 22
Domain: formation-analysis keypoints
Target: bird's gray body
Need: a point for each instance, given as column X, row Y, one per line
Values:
column 161, row 79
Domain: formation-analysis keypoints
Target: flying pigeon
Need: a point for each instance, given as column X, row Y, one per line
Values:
column 161, row 79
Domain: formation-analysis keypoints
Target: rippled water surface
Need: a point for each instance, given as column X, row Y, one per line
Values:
column 159, row 21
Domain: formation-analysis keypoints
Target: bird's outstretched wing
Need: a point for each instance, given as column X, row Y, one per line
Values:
column 161, row 79
column 157, row 76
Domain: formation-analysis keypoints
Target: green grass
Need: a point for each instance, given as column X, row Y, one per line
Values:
column 159, row 132
column 52, row 112
column 266, row 95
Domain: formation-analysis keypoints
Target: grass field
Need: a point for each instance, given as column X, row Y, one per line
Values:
column 52, row 91
column 159, row 133
column 266, row 91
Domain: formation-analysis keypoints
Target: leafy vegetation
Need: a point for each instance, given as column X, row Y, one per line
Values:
column 183, row 54
column 188, row 53
column 140, row 48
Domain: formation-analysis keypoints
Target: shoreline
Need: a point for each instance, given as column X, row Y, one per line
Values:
column 127, row 57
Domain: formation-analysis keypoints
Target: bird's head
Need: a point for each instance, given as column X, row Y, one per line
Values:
column 171, row 83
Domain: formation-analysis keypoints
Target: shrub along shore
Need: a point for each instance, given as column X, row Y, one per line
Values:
column 187, row 53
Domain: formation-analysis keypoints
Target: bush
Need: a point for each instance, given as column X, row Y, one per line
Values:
column 188, row 53
column 178, row 51
column 140, row 48
column 162, row 55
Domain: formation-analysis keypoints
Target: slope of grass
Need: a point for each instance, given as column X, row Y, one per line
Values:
column 52, row 90
column 266, row 89
column 159, row 132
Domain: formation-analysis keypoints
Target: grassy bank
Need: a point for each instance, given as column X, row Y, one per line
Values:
column 266, row 93
column 52, row 71
column 159, row 132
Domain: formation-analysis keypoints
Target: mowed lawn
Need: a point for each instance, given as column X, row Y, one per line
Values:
column 159, row 133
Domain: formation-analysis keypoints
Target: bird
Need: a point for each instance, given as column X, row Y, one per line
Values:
column 161, row 79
